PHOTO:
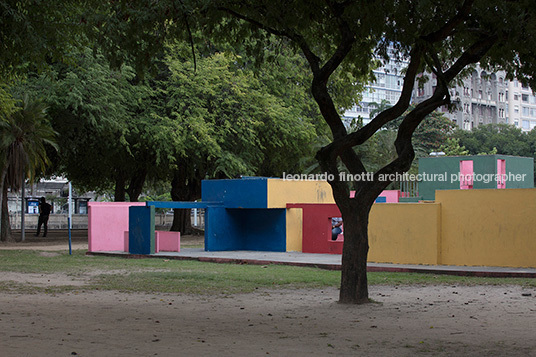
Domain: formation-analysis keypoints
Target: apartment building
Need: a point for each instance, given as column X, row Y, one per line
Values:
column 521, row 105
column 486, row 98
column 481, row 98
column 388, row 86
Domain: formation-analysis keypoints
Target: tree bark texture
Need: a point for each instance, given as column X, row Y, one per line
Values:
column 183, row 189
column 135, row 186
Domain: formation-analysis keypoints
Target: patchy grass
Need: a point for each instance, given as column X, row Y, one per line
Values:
column 183, row 276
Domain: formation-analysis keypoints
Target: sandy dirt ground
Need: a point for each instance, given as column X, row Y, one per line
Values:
column 404, row 321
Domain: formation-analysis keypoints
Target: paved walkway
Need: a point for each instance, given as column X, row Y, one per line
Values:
column 327, row 261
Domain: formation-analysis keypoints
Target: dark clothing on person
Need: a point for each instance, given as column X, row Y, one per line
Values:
column 44, row 213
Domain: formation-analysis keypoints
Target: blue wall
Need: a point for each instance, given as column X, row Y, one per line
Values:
column 242, row 193
column 245, row 229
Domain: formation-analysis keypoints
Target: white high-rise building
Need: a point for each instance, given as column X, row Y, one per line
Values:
column 481, row 98
column 388, row 86
column 521, row 105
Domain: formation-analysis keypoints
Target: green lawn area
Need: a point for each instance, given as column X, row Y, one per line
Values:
column 193, row 277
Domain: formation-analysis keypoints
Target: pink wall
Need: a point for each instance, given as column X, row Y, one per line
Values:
column 501, row 173
column 107, row 223
column 391, row 196
column 466, row 172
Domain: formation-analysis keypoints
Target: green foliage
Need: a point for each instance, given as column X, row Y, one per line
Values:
column 99, row 114
column 24, row 134
column 7, row 102
column 506, row 139
column 32, row 33
column 230, row 119
column 492, row 152
column 453, row 148
column 22, row 142
column 430, row 136
column 431, row 133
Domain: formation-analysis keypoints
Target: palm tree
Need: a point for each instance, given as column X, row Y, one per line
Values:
column 23, row 136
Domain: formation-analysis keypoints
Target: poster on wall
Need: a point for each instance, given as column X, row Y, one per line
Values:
column 83, row 207
column 33, row 207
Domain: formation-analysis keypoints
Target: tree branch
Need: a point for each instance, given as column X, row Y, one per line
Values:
column 359, row 137
column 447, row 29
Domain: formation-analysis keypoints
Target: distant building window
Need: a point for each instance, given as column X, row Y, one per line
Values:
column 526, row 124
column 525, row 98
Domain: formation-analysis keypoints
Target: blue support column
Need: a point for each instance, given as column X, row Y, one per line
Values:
column 141, row 230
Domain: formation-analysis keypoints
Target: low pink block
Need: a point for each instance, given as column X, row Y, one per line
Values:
column 166, row 241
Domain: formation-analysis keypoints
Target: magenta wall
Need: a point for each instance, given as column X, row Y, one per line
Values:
column 107, row 223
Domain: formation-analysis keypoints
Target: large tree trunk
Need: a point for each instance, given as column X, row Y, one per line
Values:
column 179, row 192
column 183, row 189
column 119, row 192
column 135, row 187
column 354, row 287
column 182, row 221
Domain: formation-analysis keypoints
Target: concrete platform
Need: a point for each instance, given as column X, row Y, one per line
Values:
column 324, row 261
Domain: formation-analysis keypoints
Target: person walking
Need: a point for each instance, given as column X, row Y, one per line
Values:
column 44, row 213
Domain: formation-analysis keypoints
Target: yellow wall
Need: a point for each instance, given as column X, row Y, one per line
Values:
column 404, row 233
column 488, row 227
column 294, row 229
column 463, row 227
column 281, row 192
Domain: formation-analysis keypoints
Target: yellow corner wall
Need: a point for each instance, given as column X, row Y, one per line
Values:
column 488, row 227
column 404, row 233
column 281, row 192
column 294, row 229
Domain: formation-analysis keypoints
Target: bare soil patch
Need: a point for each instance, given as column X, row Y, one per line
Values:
column 406, row 321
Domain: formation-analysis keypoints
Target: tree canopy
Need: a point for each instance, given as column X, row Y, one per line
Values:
column 441, row 37
column 337, row 39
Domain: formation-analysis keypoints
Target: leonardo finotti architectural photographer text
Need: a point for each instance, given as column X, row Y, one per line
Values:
column 441, row 177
